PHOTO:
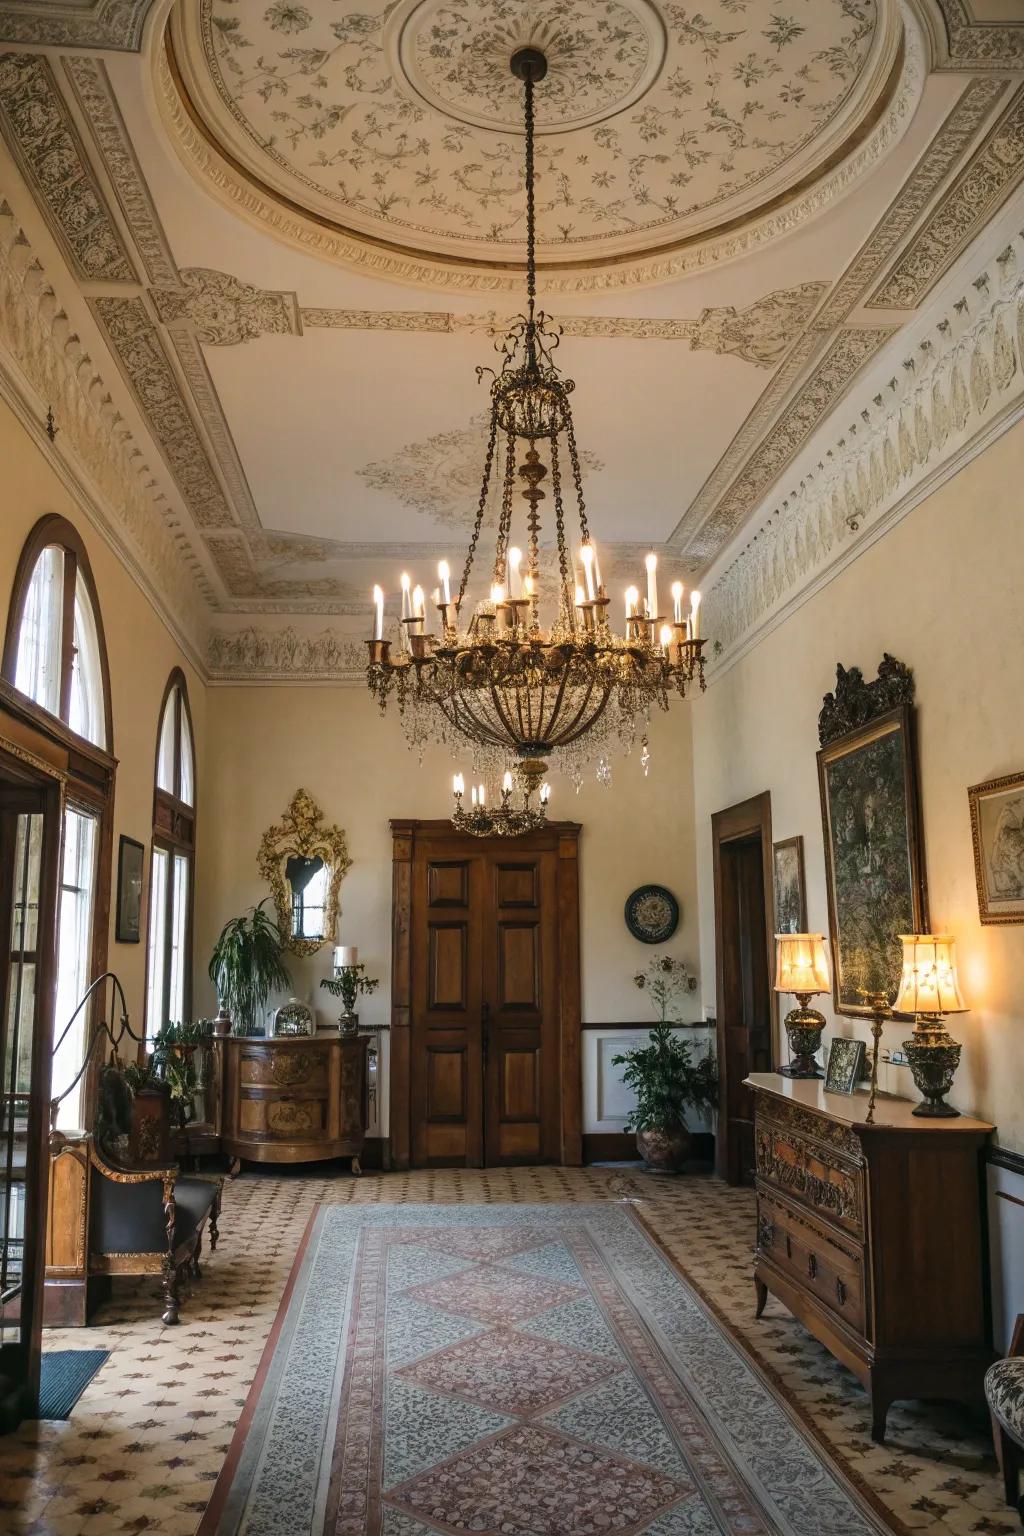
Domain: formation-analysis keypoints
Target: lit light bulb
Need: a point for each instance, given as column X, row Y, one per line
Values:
column 632, row 600
column 481, row 794
column 378, row 614
column 515, row 557
column 587, row 556
column 579, row 595
column 694, row 615
column 458, row 785
column 666, row 636
column 406, row 588
column 497, row 595
column 444, row 574
column 506, row 782
column 527, row 586
column 473, row 794
column 545, row 793
column 419, row 606
column 651, row 563
column 677, row 602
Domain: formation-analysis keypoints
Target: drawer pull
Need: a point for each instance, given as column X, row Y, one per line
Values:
column 789, row 1246
column 841, row 1293
column 812, row 1265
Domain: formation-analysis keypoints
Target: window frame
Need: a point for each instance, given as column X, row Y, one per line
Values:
column 87, row 771
column 57, row 531
column 174, row 832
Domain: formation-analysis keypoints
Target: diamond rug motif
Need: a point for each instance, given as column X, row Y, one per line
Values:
column 512, row 1371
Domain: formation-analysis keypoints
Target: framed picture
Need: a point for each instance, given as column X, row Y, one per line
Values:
column 873, row 864
column 997, row 826
column 130, row 858
column 790, row 892
column 652, row 914
column 845, row 1063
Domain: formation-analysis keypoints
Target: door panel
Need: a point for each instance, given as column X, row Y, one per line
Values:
column 448, row 884
column 446, row 1083
column 517, row 885
column 746, row 1020
column 449, row 949
column 518, row 966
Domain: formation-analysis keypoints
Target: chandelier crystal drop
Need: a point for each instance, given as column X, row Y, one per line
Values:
column 518, row 689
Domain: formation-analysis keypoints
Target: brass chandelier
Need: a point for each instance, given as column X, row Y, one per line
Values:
column 520, row 691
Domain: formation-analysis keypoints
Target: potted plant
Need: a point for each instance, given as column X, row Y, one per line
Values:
column 247, row 964
column 347, row 983
column 664, row 1076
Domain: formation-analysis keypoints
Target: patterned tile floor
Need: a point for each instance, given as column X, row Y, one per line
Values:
column 146, row 1441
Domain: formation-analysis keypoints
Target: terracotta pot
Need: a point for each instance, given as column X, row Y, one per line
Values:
column 663, row 1151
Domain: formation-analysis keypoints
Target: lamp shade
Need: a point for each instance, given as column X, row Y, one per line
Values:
column 929, row 983
column 801, row 964
column 345, row 954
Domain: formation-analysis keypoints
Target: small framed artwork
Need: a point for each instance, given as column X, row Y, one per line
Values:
column 790, row 891
column 652, row 914
column 997, row 826
column 130, row 858
column 845, row 1064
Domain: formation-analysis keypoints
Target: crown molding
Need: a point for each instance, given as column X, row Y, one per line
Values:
column 43, row 363
column 942, row 394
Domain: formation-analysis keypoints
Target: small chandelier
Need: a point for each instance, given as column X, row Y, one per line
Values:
column 504, row 820
column 493, row 674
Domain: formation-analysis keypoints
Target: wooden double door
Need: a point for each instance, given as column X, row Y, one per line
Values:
column 485, row 1035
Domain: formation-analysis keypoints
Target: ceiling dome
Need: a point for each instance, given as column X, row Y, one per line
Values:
column 659, row 125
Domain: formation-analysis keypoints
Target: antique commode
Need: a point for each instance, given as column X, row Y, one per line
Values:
column 872, row 1234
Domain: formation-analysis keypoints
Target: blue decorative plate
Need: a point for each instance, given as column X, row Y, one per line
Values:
column 652, row 914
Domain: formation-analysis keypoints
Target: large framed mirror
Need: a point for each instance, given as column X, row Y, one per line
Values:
column 304, row 862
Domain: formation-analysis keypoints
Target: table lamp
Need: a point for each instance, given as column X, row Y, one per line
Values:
column 930, row 989
column 801, row 967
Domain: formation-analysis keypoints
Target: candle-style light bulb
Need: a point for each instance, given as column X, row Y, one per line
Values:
column 473, row 794
column 445, row 576
column 458, row 786
column 406, row 589
column 597, row 566
column 651, row 563
column 545, row 793
column 694, row 615
column 527, row 586
column 419, row 607
column 677, row 602
column 665, row 636
column 506, row 783
column 378, row 614
column 515, row 557
column 497, row 595
column 579, row 595
column 632, row 599
column 587, row 556
column 482, row 794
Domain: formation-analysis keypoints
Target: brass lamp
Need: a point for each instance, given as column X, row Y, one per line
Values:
column 801, row 967
column 930, row 989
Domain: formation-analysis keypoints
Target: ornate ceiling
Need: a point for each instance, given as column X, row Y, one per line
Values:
column 257, row 250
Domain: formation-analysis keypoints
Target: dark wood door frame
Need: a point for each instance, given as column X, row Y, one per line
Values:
column 739, row 823
column 560, row 836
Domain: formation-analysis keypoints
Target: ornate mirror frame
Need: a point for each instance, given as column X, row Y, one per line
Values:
column 302, row 832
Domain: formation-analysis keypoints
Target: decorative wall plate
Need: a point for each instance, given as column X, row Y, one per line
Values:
column 652, row 914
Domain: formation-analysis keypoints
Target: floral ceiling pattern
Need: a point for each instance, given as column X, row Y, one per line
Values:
column 655, row 122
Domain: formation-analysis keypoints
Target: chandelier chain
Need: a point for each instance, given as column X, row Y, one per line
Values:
column 505, row 520
column 481, row 508
column 577, row 476
column 563, row 553
column 531, row 254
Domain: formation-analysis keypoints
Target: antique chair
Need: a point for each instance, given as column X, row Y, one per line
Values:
column 140, row 1215
column 1004, row 1391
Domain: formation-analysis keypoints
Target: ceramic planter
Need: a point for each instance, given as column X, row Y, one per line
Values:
column 664, row 1151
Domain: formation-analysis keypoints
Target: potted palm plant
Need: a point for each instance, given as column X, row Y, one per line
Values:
column 664, row 1076
column 247, row 964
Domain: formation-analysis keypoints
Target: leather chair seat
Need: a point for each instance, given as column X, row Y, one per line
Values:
column 129, row 1218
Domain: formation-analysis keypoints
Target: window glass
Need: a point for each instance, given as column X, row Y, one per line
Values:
column 165, row 753
column 187, row 790
column 74, row 960
column 157, row 947
column 87, row 715
column 179, row 938
column 38, row 668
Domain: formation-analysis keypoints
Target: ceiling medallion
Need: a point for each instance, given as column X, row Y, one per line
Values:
column 493, row 675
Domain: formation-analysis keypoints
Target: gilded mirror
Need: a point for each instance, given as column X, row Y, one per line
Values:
column 304, row 862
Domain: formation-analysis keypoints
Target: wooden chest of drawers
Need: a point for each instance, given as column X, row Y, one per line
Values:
column 294, row 1100
column 873, row 1236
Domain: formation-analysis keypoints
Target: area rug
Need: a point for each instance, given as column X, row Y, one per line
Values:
column 525, row 1370
column 64, row 1375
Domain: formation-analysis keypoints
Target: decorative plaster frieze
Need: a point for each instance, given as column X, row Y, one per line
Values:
column 138, row 349
column 44, row 141
column 993, row 172
column 94, row 93
column 224, row 311
column 975, row 44
column 113, row 24
column 266, row 655
column 94, row 450
column 963, row 381
column 947, row 147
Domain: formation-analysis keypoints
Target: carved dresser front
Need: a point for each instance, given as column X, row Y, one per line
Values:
column 293, row 1099
column 873, row 1236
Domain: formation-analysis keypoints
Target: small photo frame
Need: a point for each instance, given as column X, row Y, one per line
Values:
column 845, row 1064
column 130, row 860
column 997, row 827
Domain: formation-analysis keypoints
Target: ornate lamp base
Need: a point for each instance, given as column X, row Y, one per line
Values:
column 934, row 1057
column 803, row 1026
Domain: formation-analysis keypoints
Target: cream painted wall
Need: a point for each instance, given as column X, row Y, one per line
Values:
column 266, row 742
column 141, row 653
column 943, row 592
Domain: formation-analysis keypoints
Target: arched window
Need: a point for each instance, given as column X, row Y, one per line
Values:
column 169, row 973
column 55, row 653
column 55, row 656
